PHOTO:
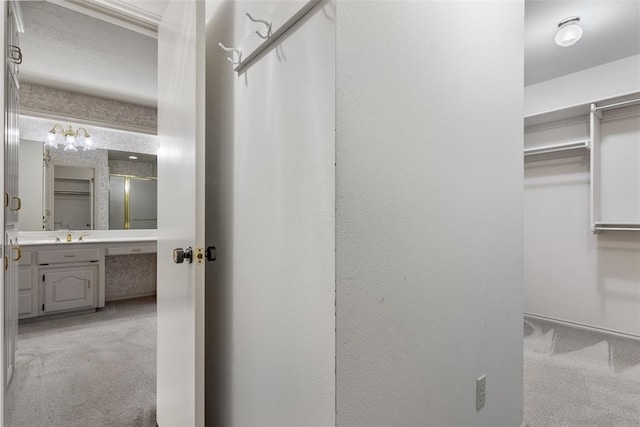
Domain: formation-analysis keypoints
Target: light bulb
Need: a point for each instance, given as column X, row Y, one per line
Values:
column 88, row 144
column 70, row 143
column 51, row 141
column 569, row 32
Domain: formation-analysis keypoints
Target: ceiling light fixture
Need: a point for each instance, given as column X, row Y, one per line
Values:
column 133, row 157
column 68, row 138
column 569, row 32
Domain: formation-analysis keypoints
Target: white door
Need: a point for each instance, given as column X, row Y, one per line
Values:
column 181, row 57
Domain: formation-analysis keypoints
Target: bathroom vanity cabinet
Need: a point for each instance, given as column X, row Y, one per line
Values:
column 63, row 277
column 27, row 287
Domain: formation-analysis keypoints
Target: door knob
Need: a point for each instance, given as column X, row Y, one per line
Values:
column 179, row 255
column 211, row 253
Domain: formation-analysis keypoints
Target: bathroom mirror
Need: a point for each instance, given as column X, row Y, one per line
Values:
column 86, row 190
column 72, row 199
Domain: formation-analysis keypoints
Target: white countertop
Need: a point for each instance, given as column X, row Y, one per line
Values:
column 34, row 238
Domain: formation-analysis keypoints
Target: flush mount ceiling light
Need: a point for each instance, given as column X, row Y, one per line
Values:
column 68, row 138
column 569, row 32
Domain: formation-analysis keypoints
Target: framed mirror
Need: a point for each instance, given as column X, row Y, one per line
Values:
column 86, row 190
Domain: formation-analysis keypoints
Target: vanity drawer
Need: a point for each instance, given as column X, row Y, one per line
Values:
column 26, row 258
column 72, row 255
column 131, row 250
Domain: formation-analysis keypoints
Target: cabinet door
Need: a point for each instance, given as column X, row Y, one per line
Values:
column 69, row 288
column 27, row 295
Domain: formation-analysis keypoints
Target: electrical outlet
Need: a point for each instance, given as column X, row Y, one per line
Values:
column 481, row 391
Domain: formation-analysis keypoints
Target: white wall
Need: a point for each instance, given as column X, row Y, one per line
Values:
column 583, row 87
column 429, row 212
column 30, row 185
column 571, row 274
column 275, row 139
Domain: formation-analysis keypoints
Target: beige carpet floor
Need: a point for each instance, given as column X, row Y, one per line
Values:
column 99, row 370
column 579, row 378
column 87, row 370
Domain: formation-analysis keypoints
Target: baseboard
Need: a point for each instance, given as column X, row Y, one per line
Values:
column 130, row 297
column 583, row 326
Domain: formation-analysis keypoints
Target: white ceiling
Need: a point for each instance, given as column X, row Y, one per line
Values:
column 611, row 32
column 69, row 50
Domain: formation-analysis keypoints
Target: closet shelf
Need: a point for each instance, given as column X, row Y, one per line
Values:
column 557, row 147
column 72, row 193
column 615, row 105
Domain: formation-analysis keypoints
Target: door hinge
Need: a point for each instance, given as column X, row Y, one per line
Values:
column 43, row 277
column 42, row 307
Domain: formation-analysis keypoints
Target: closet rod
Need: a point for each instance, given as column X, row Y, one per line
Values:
column 616, row 229
column 556, row 147
column 618, row 105
column 601, row 226
column 276, row 35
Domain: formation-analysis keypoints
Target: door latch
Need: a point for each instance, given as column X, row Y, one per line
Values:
column 180, row 255
column 199, row 255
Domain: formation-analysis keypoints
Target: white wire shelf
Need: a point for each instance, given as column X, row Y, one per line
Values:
column 554, row 148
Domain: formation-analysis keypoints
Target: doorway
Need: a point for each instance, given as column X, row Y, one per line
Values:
column 95, row 98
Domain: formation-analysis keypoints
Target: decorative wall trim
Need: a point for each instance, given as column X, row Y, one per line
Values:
column 118, row 13
column 60, row 105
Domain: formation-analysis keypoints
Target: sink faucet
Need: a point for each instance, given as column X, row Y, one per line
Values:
column 81, row 236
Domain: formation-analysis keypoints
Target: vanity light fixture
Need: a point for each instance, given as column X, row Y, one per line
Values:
column 70, row 139
column 569, row 32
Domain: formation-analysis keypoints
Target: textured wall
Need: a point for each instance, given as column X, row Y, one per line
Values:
column 585, row 86
column 124, row 167
column 97, row 159
column 429, row 212
column 283, row 174
column 130, row 275
column 36, row 99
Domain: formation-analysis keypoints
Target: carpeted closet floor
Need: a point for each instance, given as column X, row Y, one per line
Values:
column 579, row 378
column 99, row 369
column 87, row 370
